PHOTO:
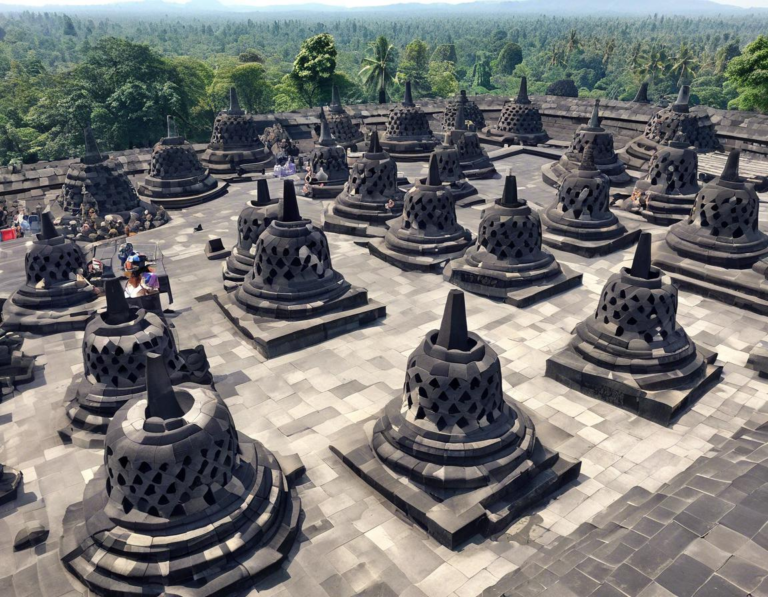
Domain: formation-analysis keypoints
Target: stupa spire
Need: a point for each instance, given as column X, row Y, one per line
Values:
column 460, row 123
column 509, row 197
column 161, row 399
column 326, row 140
column 522, row 94
column 172, row 132
column 642, row 94
column 408, row 98
column 641, row 264
column 262, row 192
column 335, row 99
column 594, row 121
column 731, row 169
column 453, row 333
column 118, row 310
column 588, row 159
column 234, row 104
column 373, row 144
column 433, row 177
column 289, row 205
column 683, row 99
column 48, row 230
column 91, row 149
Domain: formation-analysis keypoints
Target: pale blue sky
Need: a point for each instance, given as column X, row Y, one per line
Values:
column 342, row 3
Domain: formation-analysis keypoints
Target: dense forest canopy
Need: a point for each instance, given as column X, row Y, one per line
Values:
column 122, row 73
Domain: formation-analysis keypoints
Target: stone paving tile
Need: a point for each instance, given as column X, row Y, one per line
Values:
column 353, row 542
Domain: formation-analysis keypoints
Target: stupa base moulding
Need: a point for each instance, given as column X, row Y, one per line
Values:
column 592, row 248
column 758, row 359
column 333, row 223
column 502, row 139
column 10, row 480
column 429, row 262
column 503, row 286
column 620, row 388
column 487, row 510
column 276, row 337
column 73, row 319
column 554, row 173
column 184, row 201
column 745, row 288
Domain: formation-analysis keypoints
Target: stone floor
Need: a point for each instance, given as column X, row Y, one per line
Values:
column 353, row 542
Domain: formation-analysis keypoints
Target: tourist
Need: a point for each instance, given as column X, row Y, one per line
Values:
column 142, row 281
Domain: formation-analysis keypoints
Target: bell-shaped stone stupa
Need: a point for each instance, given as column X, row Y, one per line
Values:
column 508, row 261
column 184, row 504
column 293, row 297
column 474, row 118
column 601, row 141
column 427, row 235
column 580, row 220
column 327, row 169
column 345, row 132
column 55, row 297
column 632, row 352
column 473, row 159
column 370, row 198
column 408, row 136
column 452, row 451
column 449, row 166
column 519, row 122
column 176, row 177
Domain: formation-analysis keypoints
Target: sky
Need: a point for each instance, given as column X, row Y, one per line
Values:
column 340, row 3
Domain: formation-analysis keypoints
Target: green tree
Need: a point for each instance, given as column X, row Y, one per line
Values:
column 69, row 27
column 685, row 64
column 250, row 55
column 749, row 74
column 725, row 54
column 510, row 56
column 414, row 67
column 481, row 71
column 380, row 66
column 654, row 63
column 444, row 53
column 315, row 64
column 442, row 78
column 253, row 90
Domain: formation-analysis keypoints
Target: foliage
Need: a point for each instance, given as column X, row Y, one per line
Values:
column 563, row 88
column 314, row 66
column 510, row 56
column 379, row 67
column 444, row 53
column 442, row 79
column 749, row 73
column 414, row 67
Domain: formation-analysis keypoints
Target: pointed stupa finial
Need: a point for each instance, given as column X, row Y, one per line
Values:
column 588, row 159
column 289, row 205
column 408, row 98
column 460, row 122
column 594, row 121
column 91, row 149
column 642, row 94
column 433, row 176
column 118, row 310
column 522, row 94
column 373, row 144
column 234, row 104
column 262, row 192
column 731, row 170
column 509, row 197
column 382, row 96
column 171, row 122
column 641, row 264
column 463, row 96
column 161, row 399
column 683, row 98
column 325, row 140
column 453, row 329
column 48, row 230
column 335, row 99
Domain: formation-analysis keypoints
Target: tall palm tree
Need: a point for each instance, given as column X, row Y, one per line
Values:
column 685, row 64
column 379, row 68
column 635, row 56
column 608, row 50
column 573, row 41
column 654, row 62
column 556, row 57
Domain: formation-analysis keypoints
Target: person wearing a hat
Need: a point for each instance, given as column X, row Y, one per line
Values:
column 141, row 280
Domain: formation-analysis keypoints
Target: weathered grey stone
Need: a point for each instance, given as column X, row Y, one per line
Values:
column 327, row 169
column 519, row 122
column 408, row 136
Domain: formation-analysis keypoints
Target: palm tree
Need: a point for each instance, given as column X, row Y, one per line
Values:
column 685, row 64
column 654, row 62
column 635, row 56
column 556, row 57
column 610, row 48
column 379, row 69
column 573, row 41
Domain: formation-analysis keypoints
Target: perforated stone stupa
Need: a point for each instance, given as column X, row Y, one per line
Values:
column 99, row 181
column 370, row 198
column 115, row 347
column 473, row 159
column 719, row 249
column 10, row 480
column 427, row 235
column 508, row 261
column 183, row 505
column 293, row 297
column 698, row 129
column 519, row 122
column 327, row 169
column 408, row 136
column 449, row 166
column 345, row 132
column 15, row 366
column 453, row 452
column 251, row 222
column 235, row 146
column 604, row 156
column 580, row 220
column 472, row 113
column 667, row 193
column 54, row 297
column 632, row 353
column 176, row 177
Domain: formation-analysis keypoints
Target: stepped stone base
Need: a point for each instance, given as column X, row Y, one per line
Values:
column 746, row 288
column 509, row 288
column 554, row 173
column 184, row 201
column 333, row 223
column 478, row 169
column 621, row 389
column 502, row 138
column 17, row 372
column 225, row 164
column 430, row 261
column 275, row 337
column 485, row 511
column 10, row 479
column 326, row 191
column 45, row 322
column 593, row 248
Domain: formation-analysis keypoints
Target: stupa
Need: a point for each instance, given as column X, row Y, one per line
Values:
column 605, row 158
column 327, row 169
column 519, row 122
column 452, row 451
column 235, row 146
column 251, row 222
column 449, row 166
column 293, row 297
column 370, row 198
column 55, row 298
column 667, row 193
column 98, row 180
column 408, row 136
column 183, row 505
column 641, row 97
column 345, row 132
column 15, row 366
column 698, row 129
column 508, row 262
column 472, row 113
column 176, row 177
column 632, row 353
column 115, row 347
column 719, row 250
column 580, row 220
column 10, row 480
column 427, row 234
column 473, row 159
